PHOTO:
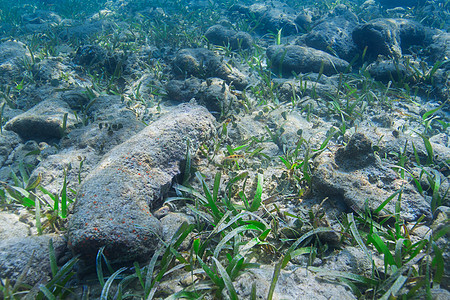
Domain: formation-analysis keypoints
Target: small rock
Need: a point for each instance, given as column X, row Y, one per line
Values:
column 350, row 259
column 213, row 93
column 170, row 224
column 40, row 20
column 357, row 153
column 272, row 16
column 8, row 141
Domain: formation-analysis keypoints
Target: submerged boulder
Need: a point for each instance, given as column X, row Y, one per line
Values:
column 389, row 37
column 271, row 16
column 12, row 55
column 334, row 32
column 222, row 36
column 298, row 59
column 203, row 63
column 27, row 259
column 355, row 175
column 212, row 93
column 45, row 121
column 114, row 202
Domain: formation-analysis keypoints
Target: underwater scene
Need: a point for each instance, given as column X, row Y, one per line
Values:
column 206, row 149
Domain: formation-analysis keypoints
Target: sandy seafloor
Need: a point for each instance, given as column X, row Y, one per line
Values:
column 318, row 162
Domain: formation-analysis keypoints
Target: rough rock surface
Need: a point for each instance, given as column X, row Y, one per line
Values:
column 222, row 36
column 114, row 202
column 83, row 30
column 11, row 226
column 298, row 59
column 11, row 55
column 16, row 253
column 389, row 70
column 40, row 20
column 335, row 32
column 350, row 259
column 355, row 175
column 8, row 141
column 272, row 16
column 380, row 37
column 170, row 224
column 113, row 124
column 388, row 36
column 298, row 284
column 203, row 63
column 440, row 48
column 213, row 93
column 42, row 122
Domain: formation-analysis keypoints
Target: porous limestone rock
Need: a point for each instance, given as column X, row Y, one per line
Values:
column 114, row 202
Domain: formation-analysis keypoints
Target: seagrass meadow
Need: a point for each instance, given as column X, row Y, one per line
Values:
column 211, row 149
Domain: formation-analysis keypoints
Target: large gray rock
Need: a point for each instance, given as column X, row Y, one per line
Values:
column 389, row 36
column 334, row 32
column 380, row 36
column 222, row 36
column 203, row 63
column 271, row 16
column 30, row 256
column 298, row 59
column 114, row 202
column 213, row 93
column 44, row 121
column 12, row 54
column 356, row 176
